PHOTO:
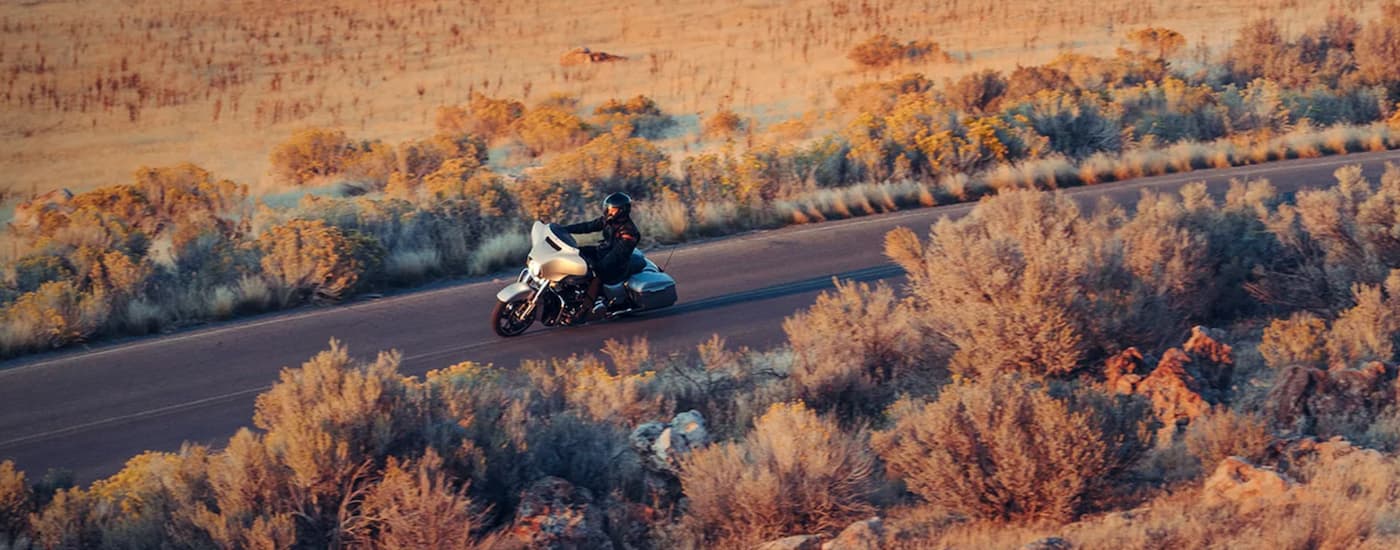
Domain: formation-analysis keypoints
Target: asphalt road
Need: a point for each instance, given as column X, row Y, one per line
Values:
column 90, row 410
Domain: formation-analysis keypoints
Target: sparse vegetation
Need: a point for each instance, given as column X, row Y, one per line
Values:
column 352, row 452
column 1025, row 345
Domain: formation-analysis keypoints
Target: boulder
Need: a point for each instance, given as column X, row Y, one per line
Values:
column 686, row 433
column 1246, row 486
column 1175, row 394
column 1308, row 399
column 861, row 535
column 554, row 514
column 795, row 542
column 1184, row 385
column 1122, row 372
column 661, row 446
column 1211, row 359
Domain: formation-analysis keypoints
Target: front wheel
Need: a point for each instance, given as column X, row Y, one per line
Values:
column 512, row 318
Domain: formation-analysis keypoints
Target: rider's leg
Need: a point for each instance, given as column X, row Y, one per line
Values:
column 595, row 287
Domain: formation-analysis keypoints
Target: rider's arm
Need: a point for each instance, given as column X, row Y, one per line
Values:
column 592, row 226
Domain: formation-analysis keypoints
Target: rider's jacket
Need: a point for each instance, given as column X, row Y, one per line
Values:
column 620, row 238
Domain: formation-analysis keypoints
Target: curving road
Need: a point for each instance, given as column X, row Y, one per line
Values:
column 90, row 410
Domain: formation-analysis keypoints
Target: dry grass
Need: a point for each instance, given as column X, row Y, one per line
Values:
column 500, row 251
column 157, row 84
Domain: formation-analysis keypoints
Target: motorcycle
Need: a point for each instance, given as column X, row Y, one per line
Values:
column 554, row 286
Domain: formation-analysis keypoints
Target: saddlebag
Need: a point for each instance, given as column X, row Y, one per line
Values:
column 651, row 290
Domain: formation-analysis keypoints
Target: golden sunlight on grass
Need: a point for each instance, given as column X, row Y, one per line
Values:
column 95, row 89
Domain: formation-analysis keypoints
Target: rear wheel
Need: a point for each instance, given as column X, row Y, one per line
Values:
column 511, row 318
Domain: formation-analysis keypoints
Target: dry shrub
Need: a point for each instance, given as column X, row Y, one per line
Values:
column 546, row 129
column 484, row 116
column 979, row 92
column 725, row 123
column 1347, row 502
column 626, row 398
column 1224, row 433
column 640, row 113
column 1024, row 283
column 310, row 154
column 16, row 502
column 1299, row 340
column 608, row 163
column 331, row 419
column 149, row 504
column 794, row 473
column 252, row 499
column 881, row 51
column 1037, row 457
column 729, row 388
column 1367, row 330
column 415, row 504
column 308, row 258
column 855, row 349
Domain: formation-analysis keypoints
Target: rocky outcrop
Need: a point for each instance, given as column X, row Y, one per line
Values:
column 861, row 535
column 584, row 56
column 795, row 542
column 661, row 446
column 1185, row 383
column 554, row 514
column 1307, row 399
column 1246, row 486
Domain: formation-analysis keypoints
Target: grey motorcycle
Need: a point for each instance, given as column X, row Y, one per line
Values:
column 554, row 286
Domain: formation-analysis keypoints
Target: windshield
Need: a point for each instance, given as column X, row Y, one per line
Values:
column 563, row 236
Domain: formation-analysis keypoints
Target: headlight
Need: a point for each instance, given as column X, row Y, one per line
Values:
column 534, row 270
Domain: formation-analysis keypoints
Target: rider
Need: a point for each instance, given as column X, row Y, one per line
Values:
column 620, row 237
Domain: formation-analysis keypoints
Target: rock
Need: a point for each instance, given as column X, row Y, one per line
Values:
column 1246, row 486
column 686, row 433
column 1212, row 360
column 583, row 56
column 661, row 446
column 1175, row 394
column 555, row 514
column 795, row 542
column 1049, row 543
column 1204, row 343
column 861, row 535
column 1122, row 372
column 642, row 439
column 1307, row 399
column 1185, row 383
column 1291, row 455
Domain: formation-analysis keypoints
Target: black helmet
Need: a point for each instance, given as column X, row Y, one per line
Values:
column 623, row 204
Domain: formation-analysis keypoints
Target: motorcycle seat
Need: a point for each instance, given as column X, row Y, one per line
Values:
column 636, row 264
